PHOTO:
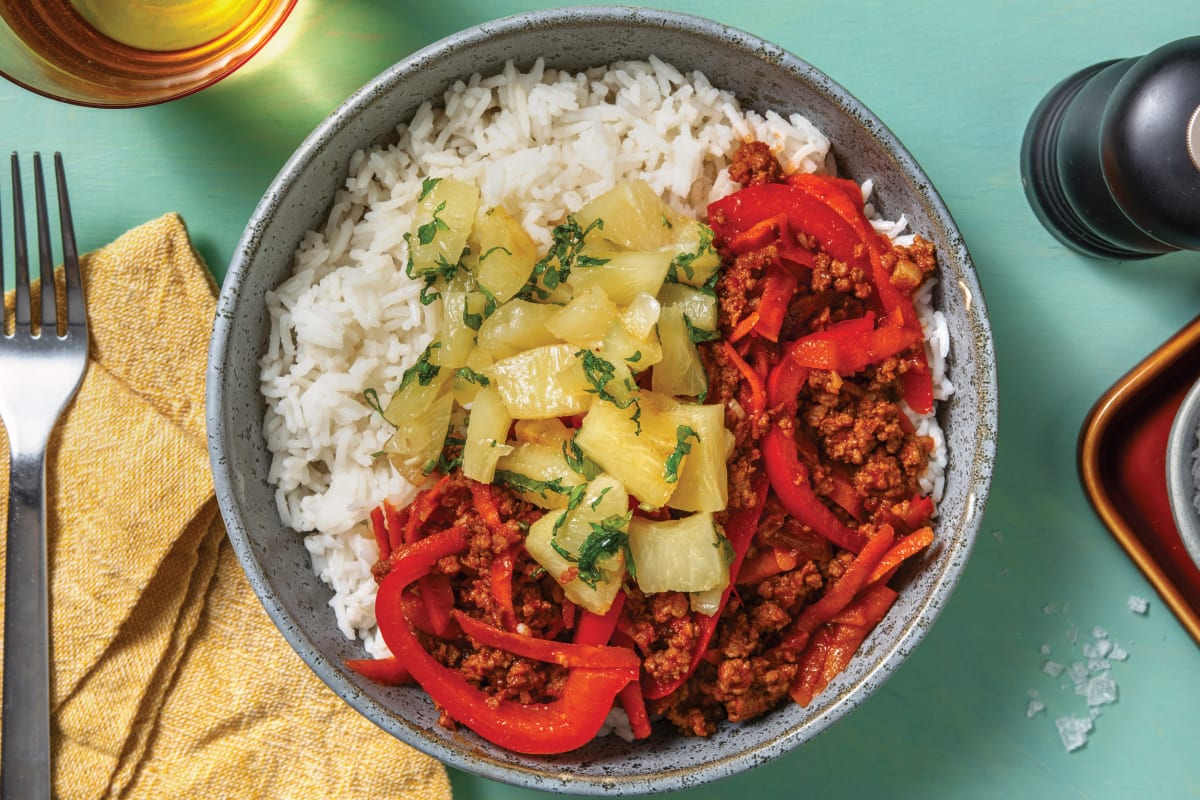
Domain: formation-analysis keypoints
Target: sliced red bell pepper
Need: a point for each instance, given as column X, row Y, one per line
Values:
column 779, row 285
column 632, row 701
column 599, row 628
column 918, row 383
column 537, row 728
column 381, row 534
column 422, row 508
column 502, row 586
column 740, row 528
column 388, row 671
column 757, row 235
column 438, row 597
column 852, row 345
column 804, row 212
column 565, row 654
column 790, row 479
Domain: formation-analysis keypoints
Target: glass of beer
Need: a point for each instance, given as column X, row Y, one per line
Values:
column 124, row 53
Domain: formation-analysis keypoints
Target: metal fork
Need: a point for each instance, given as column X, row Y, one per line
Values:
column 41, row 365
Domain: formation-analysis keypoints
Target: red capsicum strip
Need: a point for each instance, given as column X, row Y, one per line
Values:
column 789, row 475
column 846, row 198
column 387, row 671
column 803, row 212
column 852, row 345
column 537, row 728
column 565, row 654
column 831, row 211
column 779, row 285
column 739, row 530
column 380, row 531
column 502, row 586
column 790, row 479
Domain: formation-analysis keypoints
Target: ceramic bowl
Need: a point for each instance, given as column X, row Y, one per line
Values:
column 1182, row 488
column 763, row 76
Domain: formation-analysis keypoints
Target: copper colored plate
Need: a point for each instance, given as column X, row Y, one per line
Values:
column 1122, row 462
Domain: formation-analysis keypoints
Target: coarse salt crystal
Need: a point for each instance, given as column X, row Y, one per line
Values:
column 1101, row 690
column 1078, row 672
column 1053, row 669
column 1034, row 708
column 1045, row 649
column 1073, row 731
column 1138, row 605
column 1118, row 653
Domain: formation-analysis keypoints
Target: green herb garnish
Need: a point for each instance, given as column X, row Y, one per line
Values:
column 683, row 446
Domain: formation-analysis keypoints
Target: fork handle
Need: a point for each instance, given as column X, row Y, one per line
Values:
column 25, row 771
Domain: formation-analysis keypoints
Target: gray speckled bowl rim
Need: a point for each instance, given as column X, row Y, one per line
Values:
column 1181, row 460
column 667, row 761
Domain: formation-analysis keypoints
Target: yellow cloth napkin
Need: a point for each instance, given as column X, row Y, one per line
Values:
column 168, row 677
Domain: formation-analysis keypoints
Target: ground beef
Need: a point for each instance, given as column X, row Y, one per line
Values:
column 754, row 163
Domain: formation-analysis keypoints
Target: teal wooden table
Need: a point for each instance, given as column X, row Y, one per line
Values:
column 956, row 82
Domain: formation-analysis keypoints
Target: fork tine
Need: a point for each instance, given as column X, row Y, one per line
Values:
column 76, row 307
column 20, row 251
column 49, row 316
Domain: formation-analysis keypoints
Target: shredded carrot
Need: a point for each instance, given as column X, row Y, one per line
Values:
column 903, row 549
column 744, row 327
column 758, row 394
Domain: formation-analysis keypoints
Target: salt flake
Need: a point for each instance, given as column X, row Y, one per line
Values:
column 1034, row 708
column 1053, row 669
column 1138, row 605
column 1101, row 690
column 1073, row 731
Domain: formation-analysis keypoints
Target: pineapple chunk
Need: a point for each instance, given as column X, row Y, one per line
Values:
column 487, row 432
column 548, row 432
column 462, row 315
column 680, row 555
column 516, row 326
column 583, row 546
column 695, row 259
column 543, row 382
column 698, row 305
column 538, row 473
column 620, row 344
column 583, row 321
column 624, row 273
column 502, row 253
column 445, row 215
column 704, row 477
column 633, row 216
column 680, row 372
column 634, row 444
column 471, row 377
column 420, row 409
column 641, row 315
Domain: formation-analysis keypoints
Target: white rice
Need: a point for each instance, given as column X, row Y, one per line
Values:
column 541, row 143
